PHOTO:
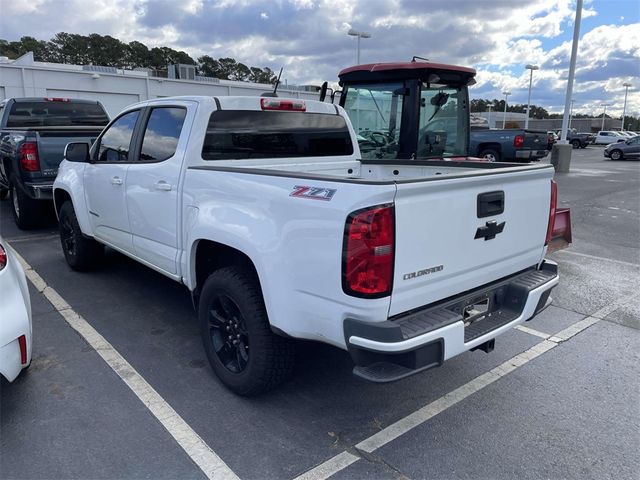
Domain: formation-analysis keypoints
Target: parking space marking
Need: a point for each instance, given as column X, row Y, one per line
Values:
column 413, row 420
column 43, row 236
column 532, row 331
column 330, row 467
column 193, row 445
column 604, row 259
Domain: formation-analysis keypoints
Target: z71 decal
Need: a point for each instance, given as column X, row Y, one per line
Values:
column 314, row 193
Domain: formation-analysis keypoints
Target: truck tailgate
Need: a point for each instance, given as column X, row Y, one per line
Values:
column 444, row 243
column 51, row 144
column 534, row 140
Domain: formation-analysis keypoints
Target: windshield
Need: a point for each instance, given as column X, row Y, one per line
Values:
column 442, row 120
column 375, row 112
column 442, row 130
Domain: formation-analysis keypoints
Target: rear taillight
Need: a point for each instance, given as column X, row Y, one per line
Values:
column 22, row 342
column 288, row 105
column 3, row 257
column 553, row 204
column 368, row 252
column 29, row 161
column 518, row 141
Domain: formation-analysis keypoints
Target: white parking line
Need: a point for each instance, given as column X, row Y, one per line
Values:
column 532, row 331
column 404, row 425
column 28, row 238
column 196, row 448
column 604, row 259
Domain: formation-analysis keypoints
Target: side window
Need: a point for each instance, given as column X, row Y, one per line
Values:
column 162, row 133
column 115, row 142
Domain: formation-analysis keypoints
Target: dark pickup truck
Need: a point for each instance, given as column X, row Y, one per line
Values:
column 33, row 135
column 578, row 140
column 508, row 145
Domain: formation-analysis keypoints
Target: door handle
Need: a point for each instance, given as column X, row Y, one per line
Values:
column 162, row 185
column 116, row 181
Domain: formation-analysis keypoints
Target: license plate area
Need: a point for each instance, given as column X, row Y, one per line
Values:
column 475, row 310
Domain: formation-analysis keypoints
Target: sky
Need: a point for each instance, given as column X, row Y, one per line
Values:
column 309, row 38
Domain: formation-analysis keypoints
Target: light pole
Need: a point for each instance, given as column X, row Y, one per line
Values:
column 571, row 113
column 604, row 112
column 572, row 72
column 489, row 118
column 532, row 68
column 504, row 117
column 624, row 109
column 359, row 35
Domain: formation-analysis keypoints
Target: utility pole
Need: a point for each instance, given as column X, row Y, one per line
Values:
column 604, row 112
column 572, row 72
column 532, row 68
column 571, row 113
column 624, row 109
column 504, row 118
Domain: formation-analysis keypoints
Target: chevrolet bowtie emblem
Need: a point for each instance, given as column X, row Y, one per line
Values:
column 490, row 230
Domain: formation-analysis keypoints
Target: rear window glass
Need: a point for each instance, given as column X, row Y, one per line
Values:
column 56, row 114
column 239, row 134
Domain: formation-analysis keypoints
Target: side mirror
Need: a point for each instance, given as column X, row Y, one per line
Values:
column 77, row 152
column 323, row 91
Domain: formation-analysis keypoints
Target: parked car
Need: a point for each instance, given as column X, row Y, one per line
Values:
column 605, row 137
column 509, row 145
column 627, row 150
column 15, row 315
column 33, row 134
column 264, row 209
column 624, row 133
column 578, row 140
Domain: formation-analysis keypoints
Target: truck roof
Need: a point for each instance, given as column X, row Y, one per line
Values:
column 376, row 72
column 50, row 99
column 241, row 102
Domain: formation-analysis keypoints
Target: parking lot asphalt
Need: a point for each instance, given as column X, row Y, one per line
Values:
column 533, row 408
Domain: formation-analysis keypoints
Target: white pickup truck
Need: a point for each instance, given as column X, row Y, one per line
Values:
column 265, row 211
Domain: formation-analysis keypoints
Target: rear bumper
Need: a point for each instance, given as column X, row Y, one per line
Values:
column 39, row 191
column 532, row 154
column 423, row 339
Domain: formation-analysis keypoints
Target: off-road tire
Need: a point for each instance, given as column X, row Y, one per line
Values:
column 81, row 253
column 270, row 357
column 575, row 144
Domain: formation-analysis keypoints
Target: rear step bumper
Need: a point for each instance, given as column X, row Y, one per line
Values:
column 423, row 339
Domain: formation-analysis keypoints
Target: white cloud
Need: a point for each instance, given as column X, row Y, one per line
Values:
column 309, row 38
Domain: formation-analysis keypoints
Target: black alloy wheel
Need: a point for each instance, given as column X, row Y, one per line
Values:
column 67, row 236
column 229, row 334
column 82, row 253
column 243, row 351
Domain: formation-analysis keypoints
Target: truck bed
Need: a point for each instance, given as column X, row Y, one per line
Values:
column 374, row 171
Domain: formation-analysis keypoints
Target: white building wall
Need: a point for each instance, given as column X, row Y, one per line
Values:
column 116, row 91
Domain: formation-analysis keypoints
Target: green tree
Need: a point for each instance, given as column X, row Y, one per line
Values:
column 136, row 55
